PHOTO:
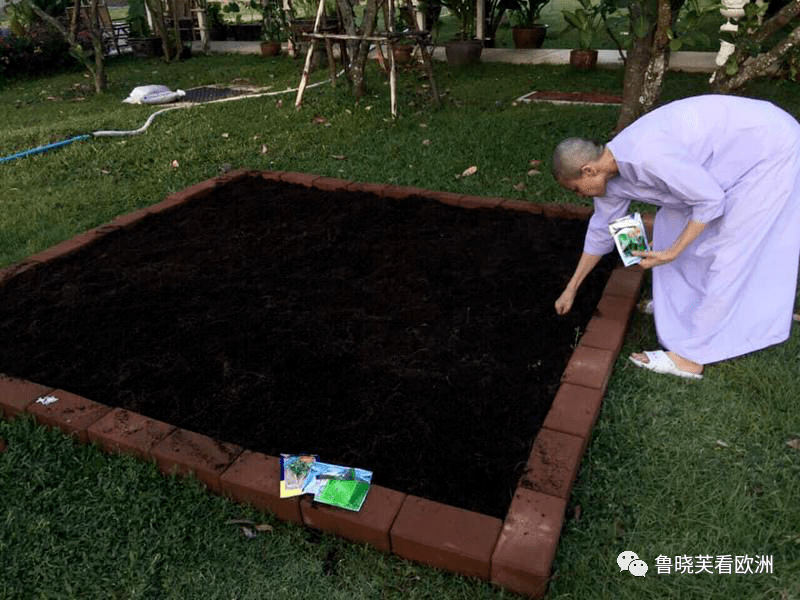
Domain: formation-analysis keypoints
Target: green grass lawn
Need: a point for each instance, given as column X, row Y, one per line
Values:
column 673, row 467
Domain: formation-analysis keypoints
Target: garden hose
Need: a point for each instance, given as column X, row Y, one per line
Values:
column 143, row 128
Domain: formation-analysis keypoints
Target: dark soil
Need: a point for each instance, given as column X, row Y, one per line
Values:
column 410, row 338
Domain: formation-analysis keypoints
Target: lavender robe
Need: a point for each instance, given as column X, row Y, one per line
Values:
column 734, row 164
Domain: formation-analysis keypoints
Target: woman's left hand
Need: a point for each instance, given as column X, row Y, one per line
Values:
column 652, row 259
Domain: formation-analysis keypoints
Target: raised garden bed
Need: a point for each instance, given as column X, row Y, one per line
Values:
column 417, row 329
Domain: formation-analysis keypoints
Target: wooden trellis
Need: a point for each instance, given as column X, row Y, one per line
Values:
column 389, row 38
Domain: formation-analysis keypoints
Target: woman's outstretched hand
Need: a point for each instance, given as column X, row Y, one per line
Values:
column 565, row 300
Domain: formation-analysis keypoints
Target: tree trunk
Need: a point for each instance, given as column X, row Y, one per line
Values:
column 647, row 62
column 760, row 65
column 96, row 70
column 157, row 9
column 360, row 59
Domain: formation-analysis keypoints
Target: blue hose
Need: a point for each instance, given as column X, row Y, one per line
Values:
column 41, row 149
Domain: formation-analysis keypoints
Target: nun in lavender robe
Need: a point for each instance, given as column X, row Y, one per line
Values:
column 732, row 164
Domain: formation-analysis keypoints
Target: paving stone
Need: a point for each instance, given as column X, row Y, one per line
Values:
column 69, row 412
column 65, row 248
column 480, row 202
column 128, row 432
column 601, row 332
column 527, row 544
column 445, row 536
column 369, row 525
column 17, row 394
column 304, row 179
column 625, row 281
column 254, row 478
column 615, row 307
column 553, row 463
column 574, row 410
column 523, row 206
column 331, row 184
column 184, row 452
column 589, row 367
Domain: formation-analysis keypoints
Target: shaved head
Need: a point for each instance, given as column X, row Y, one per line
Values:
column 571, row 154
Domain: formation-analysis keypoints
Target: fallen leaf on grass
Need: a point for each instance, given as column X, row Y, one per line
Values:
column 175, row 164
column 226, row 135
column 534, row 162
column 248, row 533
column 264, row 528
column 720, row 444
column 468, row 172
column 318, row 120
column 533, row 172
column 426, row 142
column 264, row 149
column 519, row 186
column 279, row 103
column 339, row 156
column 105, row 171
column 794, row 443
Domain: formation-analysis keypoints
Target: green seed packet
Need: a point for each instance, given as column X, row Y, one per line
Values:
column 344, row 494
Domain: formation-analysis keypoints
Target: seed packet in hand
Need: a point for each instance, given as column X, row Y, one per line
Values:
column 629, row 234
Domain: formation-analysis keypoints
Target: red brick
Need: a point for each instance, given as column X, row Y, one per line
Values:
column 553, row 463
column 271, row 175
column 71, row 413
column 608, row 334
column 589, row 367
column 367, row 188
column 369, row 525
column 444, row 536
column 523, row 206
column 15, row 269
column 448, row 198
column 397, row 192
column 17, row 394
column 480, row 202
column 305, row 179
column 527, row 545
column 232, row 176
column 184, row 452
column 625, row 281
column 574, row 410
column 331, row 184
column 618, row 308
column 131, row 217
column 254, row 478
column 66, row 247
column 128, row 432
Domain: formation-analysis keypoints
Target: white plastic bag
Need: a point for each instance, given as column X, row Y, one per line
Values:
column 153, row 94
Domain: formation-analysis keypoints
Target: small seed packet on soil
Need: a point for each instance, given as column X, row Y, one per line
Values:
column 295, row 469
column 629, row 234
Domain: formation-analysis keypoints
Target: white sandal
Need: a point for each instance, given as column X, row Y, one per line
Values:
column 660, row 362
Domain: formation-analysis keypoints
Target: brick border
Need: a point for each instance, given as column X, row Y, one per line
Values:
column 516, row 553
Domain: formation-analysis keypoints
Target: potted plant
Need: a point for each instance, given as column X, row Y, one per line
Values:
column 586, row 19
column 273, row 26
column 140, row 39
column 525, row 29
column 464, row 49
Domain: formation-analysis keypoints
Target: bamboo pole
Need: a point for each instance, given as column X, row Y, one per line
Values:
column 307, row 66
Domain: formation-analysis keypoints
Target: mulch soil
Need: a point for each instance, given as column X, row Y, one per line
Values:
column 411, row 338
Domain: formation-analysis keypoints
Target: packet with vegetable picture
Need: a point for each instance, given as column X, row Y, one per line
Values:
column 629, row 234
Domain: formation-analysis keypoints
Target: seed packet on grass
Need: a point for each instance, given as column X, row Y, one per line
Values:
column 629, row 234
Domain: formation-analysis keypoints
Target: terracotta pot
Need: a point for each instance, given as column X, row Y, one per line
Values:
column 583, row 60
column 463, row 52
column 270, row 48
column 402, row 54
column 529, row 37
